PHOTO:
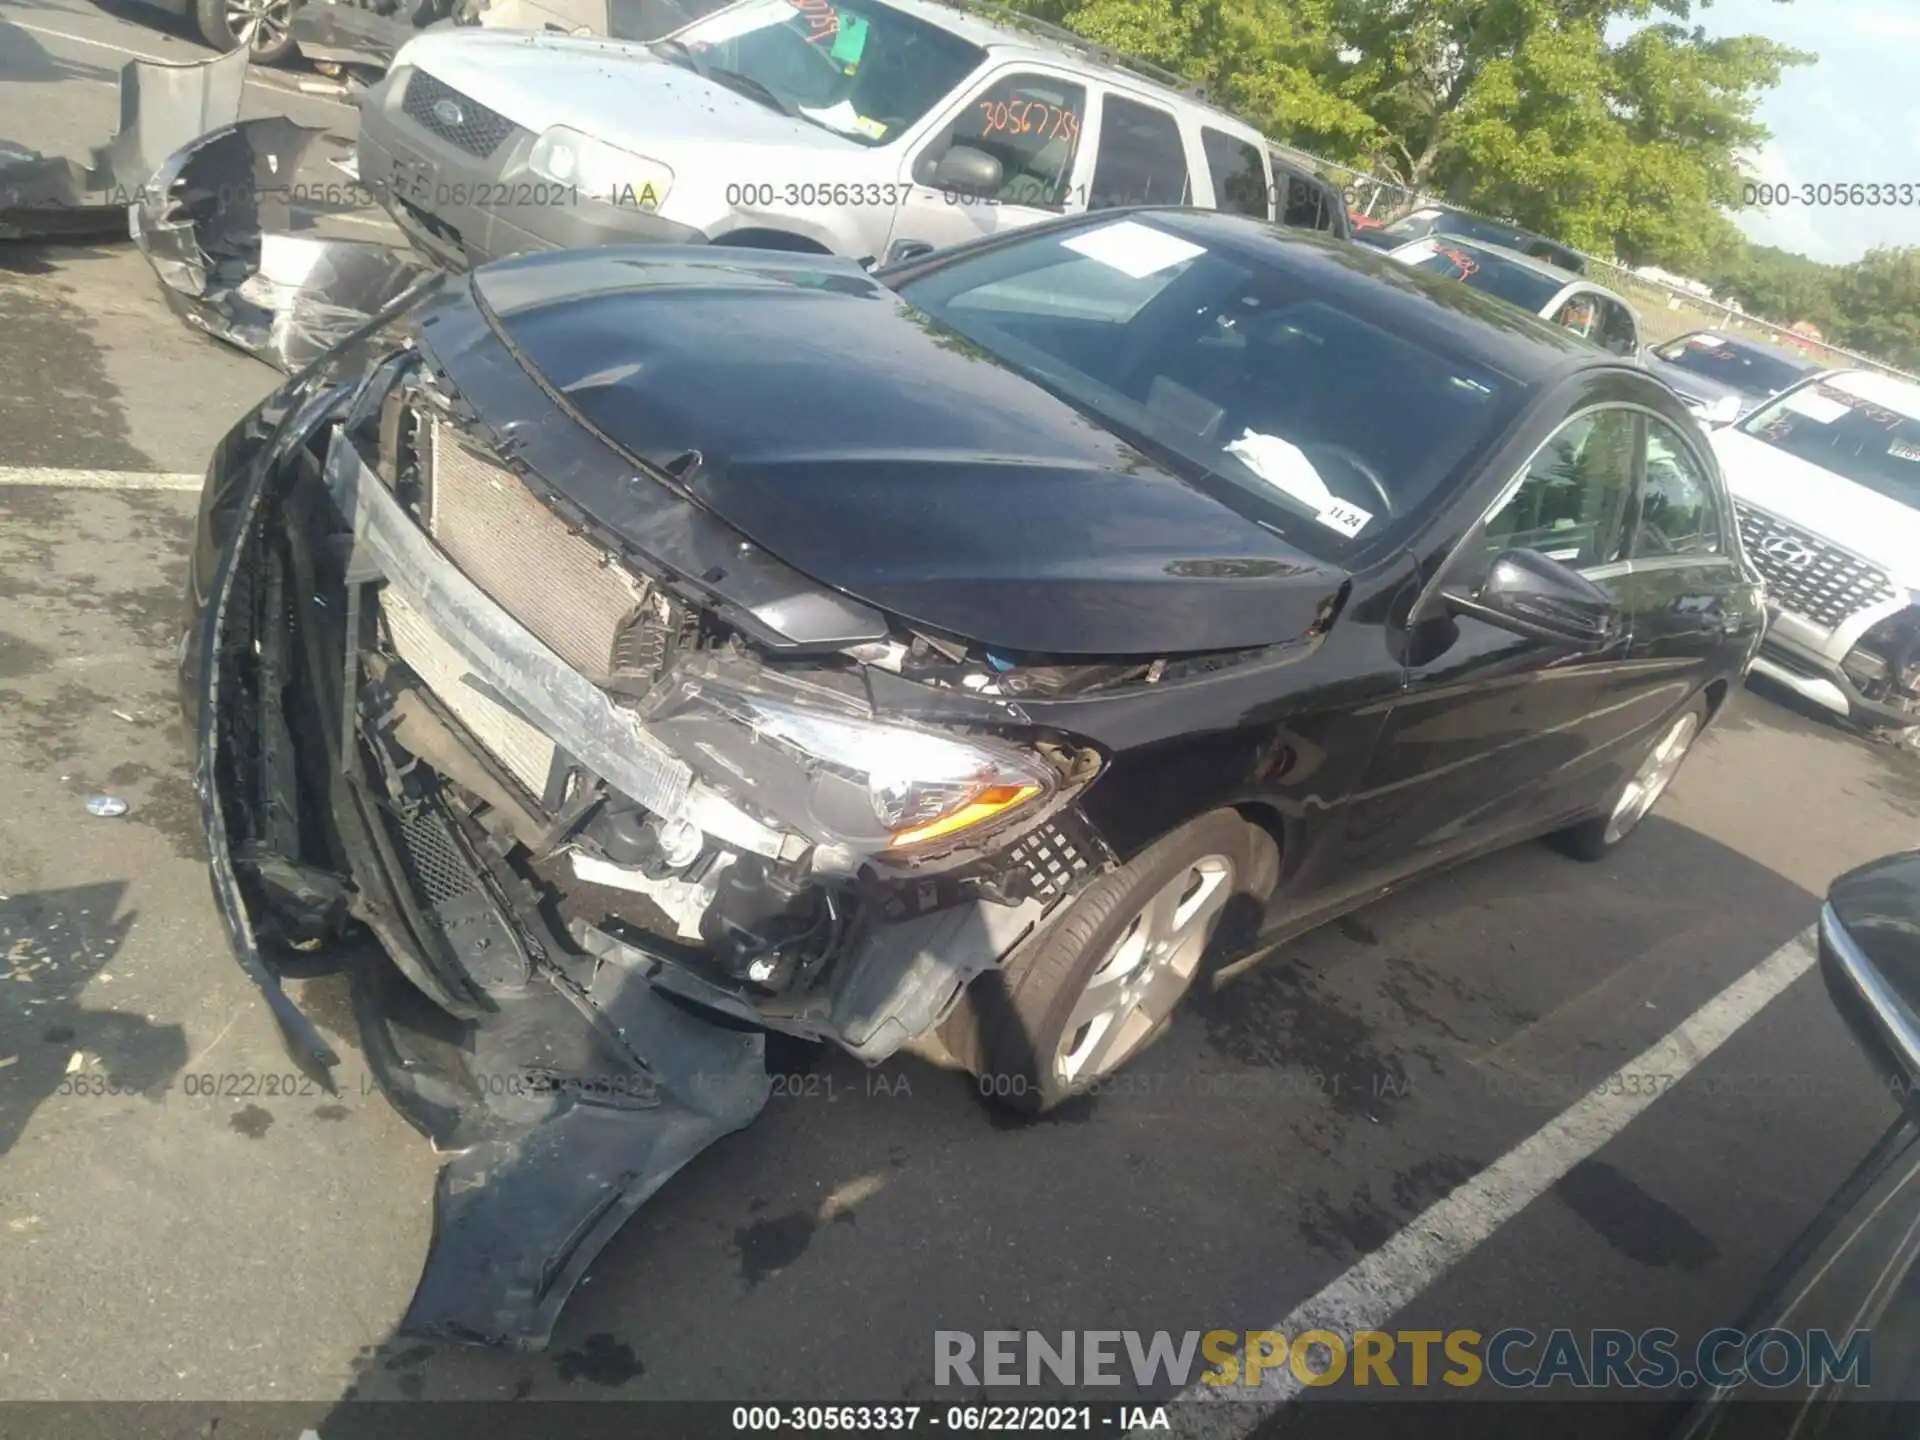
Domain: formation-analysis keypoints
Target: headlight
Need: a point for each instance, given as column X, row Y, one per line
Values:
column 600, row 171
column 846, row 779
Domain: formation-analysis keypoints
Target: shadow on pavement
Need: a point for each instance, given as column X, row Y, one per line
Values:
column 53, row 943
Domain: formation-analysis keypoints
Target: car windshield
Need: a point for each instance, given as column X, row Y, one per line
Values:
column 1752, row 372
column 1862, row 427
column 1239, row 375
column 854, row 67
column 1500, row 277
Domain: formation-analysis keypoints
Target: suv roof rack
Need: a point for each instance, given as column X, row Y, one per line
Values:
column 1004, row 14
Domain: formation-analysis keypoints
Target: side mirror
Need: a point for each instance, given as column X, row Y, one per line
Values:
column 967, row 171
column 1870, row 960
column 1531, row 595
column 903, row 250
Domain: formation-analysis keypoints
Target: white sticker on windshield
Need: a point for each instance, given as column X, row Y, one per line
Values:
column 1134, row 249
column 1815, row 406
column 1284, row 466
column 1900, row 450
column 1349, row 520
column 1706, row 342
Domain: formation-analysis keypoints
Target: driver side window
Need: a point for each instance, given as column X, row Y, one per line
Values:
column 1031, row 125
column 1572, row 505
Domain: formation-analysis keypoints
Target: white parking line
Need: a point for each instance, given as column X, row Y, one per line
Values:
column 100, row 479
column 290, row 85
column 1370, row 1294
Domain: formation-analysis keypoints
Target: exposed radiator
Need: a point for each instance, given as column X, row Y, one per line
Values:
column 526, row 753
column 558, row 584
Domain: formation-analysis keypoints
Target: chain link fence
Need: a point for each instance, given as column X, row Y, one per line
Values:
column 1666, row 311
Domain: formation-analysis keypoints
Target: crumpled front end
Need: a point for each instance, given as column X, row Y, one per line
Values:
column 579, row 840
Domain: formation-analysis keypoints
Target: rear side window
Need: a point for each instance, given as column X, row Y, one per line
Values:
column 1031, row 125
column 1617, row 330
column 1305, row 203
column 1239, row 179
column 1141, row 160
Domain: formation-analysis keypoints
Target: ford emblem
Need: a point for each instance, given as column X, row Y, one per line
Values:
column 448, row 113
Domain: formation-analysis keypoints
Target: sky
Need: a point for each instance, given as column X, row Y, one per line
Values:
column 1854, row 116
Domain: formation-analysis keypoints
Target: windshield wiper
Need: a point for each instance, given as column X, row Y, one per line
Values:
column 751, row 88
column 678, row 52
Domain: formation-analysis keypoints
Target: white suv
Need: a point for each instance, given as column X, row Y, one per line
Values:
column 875, row 129
column 1826, row 482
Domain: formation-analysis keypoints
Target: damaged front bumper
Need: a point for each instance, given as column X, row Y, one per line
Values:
column 163, row 106
column 388, row 753
column 216, row 222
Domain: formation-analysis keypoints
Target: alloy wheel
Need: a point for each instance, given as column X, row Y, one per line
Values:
column 1140, row 980
column 1656, row 772
column 260, row 25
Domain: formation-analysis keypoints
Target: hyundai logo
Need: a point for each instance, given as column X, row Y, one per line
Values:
column 1789, row 552
column 448, row 113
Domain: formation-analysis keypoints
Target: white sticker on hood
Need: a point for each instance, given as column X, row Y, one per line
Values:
column 1815, row 406
column 1134, row 249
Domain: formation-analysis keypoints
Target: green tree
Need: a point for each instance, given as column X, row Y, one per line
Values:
column 1776, row 285
column 1261, row 58
column 1628, row 146
column 1878, row 300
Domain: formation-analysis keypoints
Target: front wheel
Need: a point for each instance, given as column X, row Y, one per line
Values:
column 1599, row 837
column 1101, row 982
column 263, row 27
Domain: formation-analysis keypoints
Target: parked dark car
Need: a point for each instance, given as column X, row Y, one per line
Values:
column 1856, row 1268
column 652, row 647
column 1722, row 377
column 1437, row 220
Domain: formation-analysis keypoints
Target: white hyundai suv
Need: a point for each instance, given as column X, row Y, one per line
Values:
column 1826, row 482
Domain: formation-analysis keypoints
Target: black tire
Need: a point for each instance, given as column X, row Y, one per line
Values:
column 210, row 17
column 1595, row 839
column 1011, row 1024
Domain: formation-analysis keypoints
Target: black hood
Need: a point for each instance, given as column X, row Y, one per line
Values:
column 866, row 446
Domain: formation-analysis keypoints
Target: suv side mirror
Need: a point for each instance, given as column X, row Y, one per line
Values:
column 967, row 171
column 1531, row 595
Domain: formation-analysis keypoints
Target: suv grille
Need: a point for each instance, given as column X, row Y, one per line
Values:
column 1809, row 576
column 436, row 106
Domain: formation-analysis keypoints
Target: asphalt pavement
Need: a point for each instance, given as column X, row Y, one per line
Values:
column 158, row 1241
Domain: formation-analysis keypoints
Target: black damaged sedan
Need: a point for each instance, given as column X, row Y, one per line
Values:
column 613, row 656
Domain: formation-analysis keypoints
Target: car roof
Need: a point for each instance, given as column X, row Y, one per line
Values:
column 1759, row 347
column 1451, row 318
column 1007, row 34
